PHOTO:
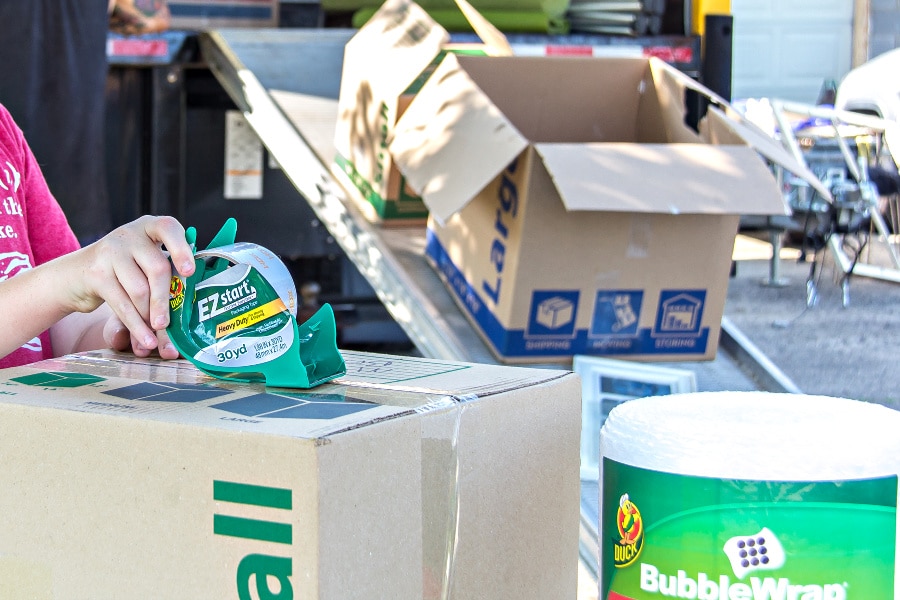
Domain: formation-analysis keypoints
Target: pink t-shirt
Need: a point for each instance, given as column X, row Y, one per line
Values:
column 33, row 228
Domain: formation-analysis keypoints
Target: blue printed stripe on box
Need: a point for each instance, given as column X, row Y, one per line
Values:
column 552, row 332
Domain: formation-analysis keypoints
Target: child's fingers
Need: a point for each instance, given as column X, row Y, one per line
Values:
column 116, row 335
column 165, row 347
column 131, row 277
column 169, row 232
column 152, row 287
column 123, row 306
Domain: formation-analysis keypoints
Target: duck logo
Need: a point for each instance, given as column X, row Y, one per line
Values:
column 630, row 526
column 176, row 293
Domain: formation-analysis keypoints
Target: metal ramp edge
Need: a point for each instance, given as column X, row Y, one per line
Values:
column 405, row 301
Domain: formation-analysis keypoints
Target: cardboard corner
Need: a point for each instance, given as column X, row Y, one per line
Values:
column 722, row 124
column 400, row 33
column 493, row 38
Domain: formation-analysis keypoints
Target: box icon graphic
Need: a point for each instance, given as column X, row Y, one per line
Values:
column 553, row 313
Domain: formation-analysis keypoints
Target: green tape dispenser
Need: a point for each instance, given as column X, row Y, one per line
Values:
column 235, row 318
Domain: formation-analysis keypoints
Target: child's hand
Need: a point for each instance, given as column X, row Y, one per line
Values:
column 128, row 270
column 117, row 337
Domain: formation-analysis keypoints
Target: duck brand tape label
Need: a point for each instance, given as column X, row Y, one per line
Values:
column 240, row 320
column 665, row 535
column 236, row 321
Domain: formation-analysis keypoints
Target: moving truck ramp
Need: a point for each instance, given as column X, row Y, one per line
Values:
column 286, row 84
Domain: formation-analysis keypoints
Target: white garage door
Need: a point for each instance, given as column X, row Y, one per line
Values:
column 788, row 48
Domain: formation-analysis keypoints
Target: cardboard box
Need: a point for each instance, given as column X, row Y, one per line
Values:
column 408, row 479
column 384, row 65
column 572, row 209
column 210, row 14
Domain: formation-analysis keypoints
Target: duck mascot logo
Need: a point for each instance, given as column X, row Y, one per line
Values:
column 631, row 533
column 176, row 292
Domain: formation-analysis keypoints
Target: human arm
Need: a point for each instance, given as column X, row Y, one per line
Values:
column 126, row 269
column 127, row 18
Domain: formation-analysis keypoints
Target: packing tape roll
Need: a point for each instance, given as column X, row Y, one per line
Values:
column 235, row 318
column 729, row 494
column 264, row 261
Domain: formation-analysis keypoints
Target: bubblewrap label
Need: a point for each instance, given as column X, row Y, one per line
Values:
column 665, row 535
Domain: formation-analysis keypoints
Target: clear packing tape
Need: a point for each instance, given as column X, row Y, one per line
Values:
column 239, row 289
column 236, row 318
column 446, row 466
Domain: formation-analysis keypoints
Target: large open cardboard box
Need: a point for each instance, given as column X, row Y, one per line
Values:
column 407, row 479
column 385, row 63
column 573, row 210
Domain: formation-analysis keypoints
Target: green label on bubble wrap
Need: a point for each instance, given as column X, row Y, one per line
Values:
column 673, row 536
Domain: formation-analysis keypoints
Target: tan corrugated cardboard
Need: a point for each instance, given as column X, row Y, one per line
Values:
column 573, row 209
column 382, row 64
column 408, row 478
column 479, row 115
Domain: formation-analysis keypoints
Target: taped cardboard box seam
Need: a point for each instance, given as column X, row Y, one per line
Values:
column 418, row 467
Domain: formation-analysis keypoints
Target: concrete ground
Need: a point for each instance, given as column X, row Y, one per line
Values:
column 846, row 351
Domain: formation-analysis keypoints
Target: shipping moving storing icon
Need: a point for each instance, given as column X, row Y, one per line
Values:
column 289, row 406
column 58, row 379
column 680, row 312
column 553, row 312
column 625, row 315
column 616, row 312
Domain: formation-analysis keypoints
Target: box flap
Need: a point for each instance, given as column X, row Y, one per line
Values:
column 401, row 40
column 400, row 35
column 670, row 86
column 440, row 144
column 722, row 124
column 662, row 178
column 721, row 129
